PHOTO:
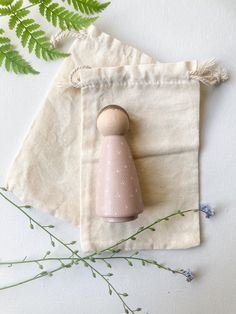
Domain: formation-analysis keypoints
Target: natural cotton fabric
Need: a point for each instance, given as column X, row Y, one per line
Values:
column 163, row 105
column 55, row 168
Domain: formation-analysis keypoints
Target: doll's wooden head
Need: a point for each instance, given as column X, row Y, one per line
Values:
column 112, row 120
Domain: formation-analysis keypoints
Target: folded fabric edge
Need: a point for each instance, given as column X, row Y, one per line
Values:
column 145, row 74
column 37, row 205
column 209, row 73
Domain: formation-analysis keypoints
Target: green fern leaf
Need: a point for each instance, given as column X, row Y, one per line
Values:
column 22, row 13
column 33, row 37
column 17, row 5
column 19, row 29
column 30, row 34
column 3, row 40
column 12, row 22
column 12, row 59
column 24, row 38
column 31, row 44
column 88, row 6
column 6, row 2
column 60, row 16
column 5, row 11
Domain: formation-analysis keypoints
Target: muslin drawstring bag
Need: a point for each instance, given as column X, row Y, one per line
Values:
column 55, row 169
column 163, row 105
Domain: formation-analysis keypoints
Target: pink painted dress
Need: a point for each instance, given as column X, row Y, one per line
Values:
column 118, row 194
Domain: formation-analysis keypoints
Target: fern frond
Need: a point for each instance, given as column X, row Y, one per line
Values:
column 88, row 6
column 30, row 33
column 12, row 59
column 60, row 16
column 32, row 36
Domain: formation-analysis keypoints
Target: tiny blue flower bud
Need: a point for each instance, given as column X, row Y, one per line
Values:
column 207, row 209
column 188, row 274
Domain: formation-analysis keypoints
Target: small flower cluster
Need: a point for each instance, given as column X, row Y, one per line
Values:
column 188, row 274
column 207, row 209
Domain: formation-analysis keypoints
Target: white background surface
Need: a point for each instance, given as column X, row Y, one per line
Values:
column 169, row 31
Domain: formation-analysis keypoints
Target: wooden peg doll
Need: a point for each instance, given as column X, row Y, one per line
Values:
column 118, row 195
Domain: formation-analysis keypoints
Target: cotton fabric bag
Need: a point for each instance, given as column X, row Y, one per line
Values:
column 55, row 169
column 163, row 105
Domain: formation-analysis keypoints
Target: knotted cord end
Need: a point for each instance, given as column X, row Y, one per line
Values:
column 210, row 73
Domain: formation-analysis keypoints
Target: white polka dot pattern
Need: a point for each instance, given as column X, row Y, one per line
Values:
column 118, row 196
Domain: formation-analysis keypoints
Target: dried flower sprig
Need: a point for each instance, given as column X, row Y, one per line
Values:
column 53, row 238
column 112, row 251
column 75, row 261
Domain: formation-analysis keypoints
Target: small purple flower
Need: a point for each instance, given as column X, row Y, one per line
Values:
column 188, row 274
column 207, row 209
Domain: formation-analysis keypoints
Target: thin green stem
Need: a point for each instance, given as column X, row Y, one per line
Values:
column 74, row 259
column 38, row 276
column 28, row 6
column 140, row 259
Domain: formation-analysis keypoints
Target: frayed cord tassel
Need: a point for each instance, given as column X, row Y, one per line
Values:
column 209, row 73
column 61, row 36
